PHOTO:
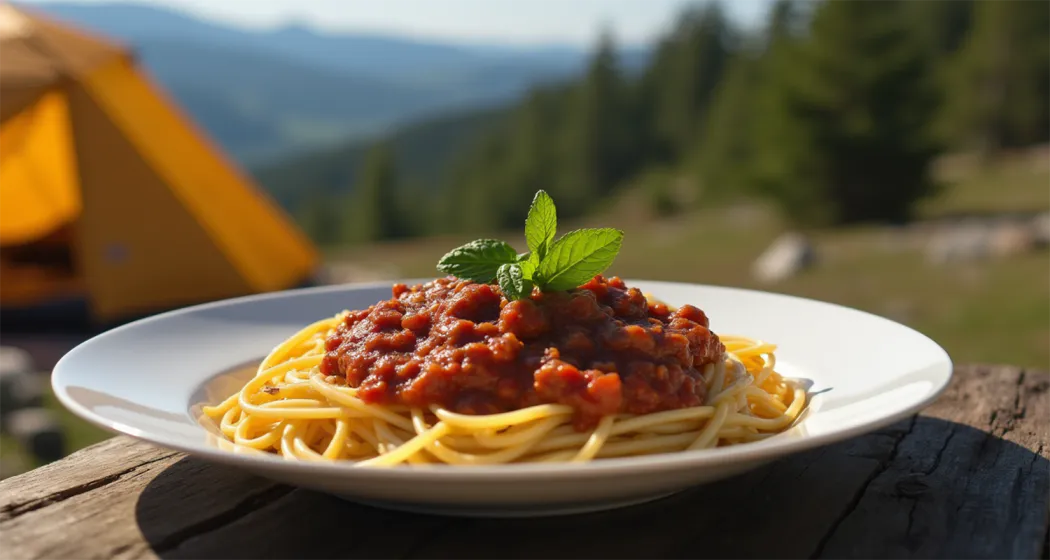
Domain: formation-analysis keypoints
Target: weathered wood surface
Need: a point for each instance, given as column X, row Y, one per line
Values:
column 968, row 478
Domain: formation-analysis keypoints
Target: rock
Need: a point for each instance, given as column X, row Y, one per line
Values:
column 964, row 242
column 978, row 240
column 20, row 386
column 1010, row 239
column 1040, row 229
column 15, row 359
column 38, row 431
column 788, row 255
column 20, row 390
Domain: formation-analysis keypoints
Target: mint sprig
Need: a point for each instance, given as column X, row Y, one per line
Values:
column 512, row 281
column 577, row 257
column 478, row 260
column 551, row 265
column 541, row 225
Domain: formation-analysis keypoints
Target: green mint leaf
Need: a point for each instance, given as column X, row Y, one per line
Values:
column 512, row 282
column 478, row 260
column 577, row 257
column 527, row 262
column 541, row 225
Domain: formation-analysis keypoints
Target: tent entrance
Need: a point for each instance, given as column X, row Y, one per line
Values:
column 41, row 270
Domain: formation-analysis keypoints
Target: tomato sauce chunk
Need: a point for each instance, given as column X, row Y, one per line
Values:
column 601, row 349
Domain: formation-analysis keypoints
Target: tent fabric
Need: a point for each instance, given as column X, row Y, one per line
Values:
column 139, row 247
column 245, row 226
column 15, row 100
column 26, row 68
column 36, row 150
column 158, row 216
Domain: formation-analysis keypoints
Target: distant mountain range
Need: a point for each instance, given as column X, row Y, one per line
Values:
column 265, row 94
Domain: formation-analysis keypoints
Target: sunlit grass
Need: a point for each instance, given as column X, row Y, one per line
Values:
column 1019, row 183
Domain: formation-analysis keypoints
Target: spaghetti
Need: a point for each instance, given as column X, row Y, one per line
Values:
column 292, row 408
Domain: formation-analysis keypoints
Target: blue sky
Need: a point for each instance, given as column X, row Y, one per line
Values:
column 506, row 21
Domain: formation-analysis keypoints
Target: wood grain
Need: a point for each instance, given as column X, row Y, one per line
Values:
column 968, row 478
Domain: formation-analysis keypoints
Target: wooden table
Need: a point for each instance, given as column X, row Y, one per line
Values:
column 969, row 477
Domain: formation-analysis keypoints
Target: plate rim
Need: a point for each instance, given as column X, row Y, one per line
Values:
column 768, row 450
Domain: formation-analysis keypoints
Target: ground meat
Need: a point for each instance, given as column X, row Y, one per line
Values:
column 601, row 348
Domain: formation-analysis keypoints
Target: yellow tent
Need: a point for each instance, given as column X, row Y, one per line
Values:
column 108, row 192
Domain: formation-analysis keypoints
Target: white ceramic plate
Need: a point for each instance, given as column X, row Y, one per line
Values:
column 149, row 378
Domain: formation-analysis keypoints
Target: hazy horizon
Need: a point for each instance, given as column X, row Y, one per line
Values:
column 505, row 22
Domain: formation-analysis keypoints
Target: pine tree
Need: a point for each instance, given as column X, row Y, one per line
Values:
column 595, row 139
column 725, row 154
column 417, row 208
column 491, row 185
column 728, row 149
column 786, row 21
column 942, row 25
column 475, row 186
column 376, row 213
column 320, row 219
column 530, row 157
column 846, row 135
column 1000, row 79
column 645, row 104
column 694, row 60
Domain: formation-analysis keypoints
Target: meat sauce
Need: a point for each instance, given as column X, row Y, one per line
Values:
column 601, row 348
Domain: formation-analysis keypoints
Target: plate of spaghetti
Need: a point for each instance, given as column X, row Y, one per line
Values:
column 512, row 384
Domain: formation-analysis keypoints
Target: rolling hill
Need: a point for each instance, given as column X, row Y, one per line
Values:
column 265, row 93
column 261, row 106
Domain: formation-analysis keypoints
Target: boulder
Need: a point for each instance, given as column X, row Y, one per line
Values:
column 15, row 359
column 789, row 254
column 19, row 390
column 1011, row 239
column 1040, row 229
column 20, row 385
column 962, row 242
column 979, row 240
